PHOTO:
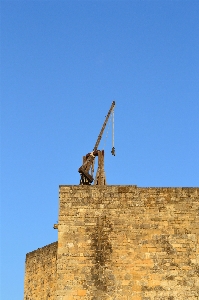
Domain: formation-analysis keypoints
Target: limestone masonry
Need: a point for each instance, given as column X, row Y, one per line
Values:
column 40, row 279
column 120, row 242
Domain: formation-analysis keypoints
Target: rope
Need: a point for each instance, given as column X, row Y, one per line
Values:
column 108, row 130
column 113, row 128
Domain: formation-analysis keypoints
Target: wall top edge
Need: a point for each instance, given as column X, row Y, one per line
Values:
column 130, row 186
column 42, row 249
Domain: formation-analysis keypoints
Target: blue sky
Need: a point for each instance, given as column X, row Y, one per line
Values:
column 62, row 65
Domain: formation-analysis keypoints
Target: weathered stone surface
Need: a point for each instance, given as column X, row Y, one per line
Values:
column 124, row 242
column 121, row 243
column 41, row 273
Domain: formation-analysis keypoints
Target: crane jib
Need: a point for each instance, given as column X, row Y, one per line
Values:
column 103, row 127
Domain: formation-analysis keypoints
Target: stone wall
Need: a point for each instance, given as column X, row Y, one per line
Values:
column 128, row 243
column 40, row 273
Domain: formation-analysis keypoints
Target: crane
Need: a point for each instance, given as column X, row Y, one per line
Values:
column 88, row 159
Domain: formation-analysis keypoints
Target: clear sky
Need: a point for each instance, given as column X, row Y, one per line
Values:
column 62, row 65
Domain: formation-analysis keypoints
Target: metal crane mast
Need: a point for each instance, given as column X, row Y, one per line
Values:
column 88, row 159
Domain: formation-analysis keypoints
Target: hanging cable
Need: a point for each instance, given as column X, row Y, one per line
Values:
column 113, row 148
column 107, row 131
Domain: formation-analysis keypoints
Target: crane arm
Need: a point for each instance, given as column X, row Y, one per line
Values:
column 103, row 127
